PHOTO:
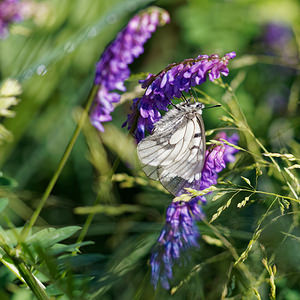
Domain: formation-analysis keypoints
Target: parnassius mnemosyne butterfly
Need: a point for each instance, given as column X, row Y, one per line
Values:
column 174, row 153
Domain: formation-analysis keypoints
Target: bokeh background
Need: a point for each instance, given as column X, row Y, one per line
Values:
column 53, row 55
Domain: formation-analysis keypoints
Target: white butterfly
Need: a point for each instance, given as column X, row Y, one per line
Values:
column 174, row 153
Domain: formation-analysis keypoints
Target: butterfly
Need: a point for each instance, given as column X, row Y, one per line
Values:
column 174, row 153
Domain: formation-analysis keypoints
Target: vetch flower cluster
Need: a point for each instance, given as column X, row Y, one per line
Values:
column 180, row 231
column 10, row 12
column 112, row 69
column 170, row 83
column 229, row 151
column 217, row 156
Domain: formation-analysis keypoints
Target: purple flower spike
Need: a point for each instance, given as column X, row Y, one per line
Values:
column 170, row 83
column 10, row 12
column 216, row 158
column 229, row 151
column 112, row 69
column 180, row 231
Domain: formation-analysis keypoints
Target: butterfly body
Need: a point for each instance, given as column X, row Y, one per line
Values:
column 174, row 153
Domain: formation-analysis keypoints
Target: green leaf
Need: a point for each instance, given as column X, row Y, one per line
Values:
column 11, row 235
column 3, row 203
column 82, row 260
column 61, row 248
column 50, row 236
column 108, row 209
column 7, row 181
column 22, row 294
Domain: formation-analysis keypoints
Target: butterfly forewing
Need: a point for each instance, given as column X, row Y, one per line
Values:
column 174, row 153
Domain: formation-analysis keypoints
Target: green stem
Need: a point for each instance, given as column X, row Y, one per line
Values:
column 61, row 165
column 31, row 281
column 241, row 266
column 20, row 269
column 261, row 192
column 90, row 217
column 87, row 223
column 237, row 111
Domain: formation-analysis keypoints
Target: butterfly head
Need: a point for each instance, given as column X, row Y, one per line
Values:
column 198, row 105
column 193, row 107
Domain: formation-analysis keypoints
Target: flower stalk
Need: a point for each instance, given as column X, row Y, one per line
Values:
column 61, row 164
column 22, row 272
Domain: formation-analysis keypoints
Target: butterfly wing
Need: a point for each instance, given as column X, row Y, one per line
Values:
column 174, row 153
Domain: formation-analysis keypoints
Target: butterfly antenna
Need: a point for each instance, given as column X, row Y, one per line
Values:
column 195, row 95
column 218, row 105
column 175, row 106
column 192, row 95
column 186, row 101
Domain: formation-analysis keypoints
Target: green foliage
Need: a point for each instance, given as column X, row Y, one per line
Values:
column 250, row 238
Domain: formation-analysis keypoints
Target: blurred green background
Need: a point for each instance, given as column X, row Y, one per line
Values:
column 53, row 55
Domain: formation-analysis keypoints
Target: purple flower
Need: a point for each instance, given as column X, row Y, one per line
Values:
column 180, row 231
column 216, row 158
column 229, row 151
column 277, row 35
column 10, row 11
column 278, row 39
column 170, row 83
column 112, row 69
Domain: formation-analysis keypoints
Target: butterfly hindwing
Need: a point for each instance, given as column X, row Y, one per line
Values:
column 174, row 152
